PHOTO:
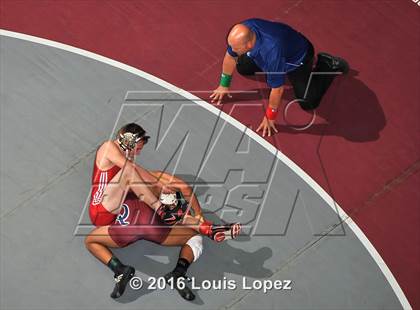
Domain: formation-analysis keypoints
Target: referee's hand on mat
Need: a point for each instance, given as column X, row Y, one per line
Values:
column 219, row 93
column 266, row 126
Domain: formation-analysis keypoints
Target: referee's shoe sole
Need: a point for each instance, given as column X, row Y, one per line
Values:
column 336, row 64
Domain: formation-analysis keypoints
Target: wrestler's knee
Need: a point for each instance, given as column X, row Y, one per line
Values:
column 88, row 241
column 93, row 236
column 196, row 245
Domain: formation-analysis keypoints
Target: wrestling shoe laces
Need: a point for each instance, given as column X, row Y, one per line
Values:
column 121, row 281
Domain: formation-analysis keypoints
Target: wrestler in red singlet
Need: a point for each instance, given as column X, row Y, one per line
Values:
column 100, row 179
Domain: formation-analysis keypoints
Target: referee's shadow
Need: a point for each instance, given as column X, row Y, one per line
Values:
column 218, row 259
column 349, row 109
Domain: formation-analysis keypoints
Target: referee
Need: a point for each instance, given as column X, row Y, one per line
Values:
column 258, row 45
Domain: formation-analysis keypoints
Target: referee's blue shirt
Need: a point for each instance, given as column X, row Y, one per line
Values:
column 278, row 49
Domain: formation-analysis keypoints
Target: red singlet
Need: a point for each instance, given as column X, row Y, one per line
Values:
column 100, row 179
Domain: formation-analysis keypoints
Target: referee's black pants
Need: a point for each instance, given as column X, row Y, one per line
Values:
column 299, row 78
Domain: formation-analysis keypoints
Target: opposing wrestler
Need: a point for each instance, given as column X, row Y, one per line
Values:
column 179, row 204
column 124, row 223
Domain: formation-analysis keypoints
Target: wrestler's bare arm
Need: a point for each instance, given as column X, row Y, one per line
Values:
column 172, row 181
column 113, row 154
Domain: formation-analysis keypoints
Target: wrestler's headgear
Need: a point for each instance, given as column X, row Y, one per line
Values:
column 173, row 208
column 168, row 199
column 131, row 134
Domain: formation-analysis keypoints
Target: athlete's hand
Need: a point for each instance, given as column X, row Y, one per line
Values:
column 199, row 217
column 219, row 93
column 267, row 125
column 168, row 189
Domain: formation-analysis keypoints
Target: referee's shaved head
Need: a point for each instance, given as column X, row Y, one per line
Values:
column 241, row 39
column 239, row 35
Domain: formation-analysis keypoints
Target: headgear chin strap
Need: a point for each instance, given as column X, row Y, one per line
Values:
column 128, row 140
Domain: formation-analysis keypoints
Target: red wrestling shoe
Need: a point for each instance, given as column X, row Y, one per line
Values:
column 220, row 233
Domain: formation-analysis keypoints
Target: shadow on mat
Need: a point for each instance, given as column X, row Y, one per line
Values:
column 217, row 260
column 350, row 108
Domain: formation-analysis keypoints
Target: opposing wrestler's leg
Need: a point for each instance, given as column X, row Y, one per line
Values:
column 98, row 243
column 217, row 233
column 192, row 247
column 181, row 213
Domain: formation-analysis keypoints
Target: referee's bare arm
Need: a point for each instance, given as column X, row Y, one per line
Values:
column 229, row 64
column 275, row 97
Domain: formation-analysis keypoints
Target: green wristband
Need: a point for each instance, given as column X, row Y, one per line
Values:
column 225, row 80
